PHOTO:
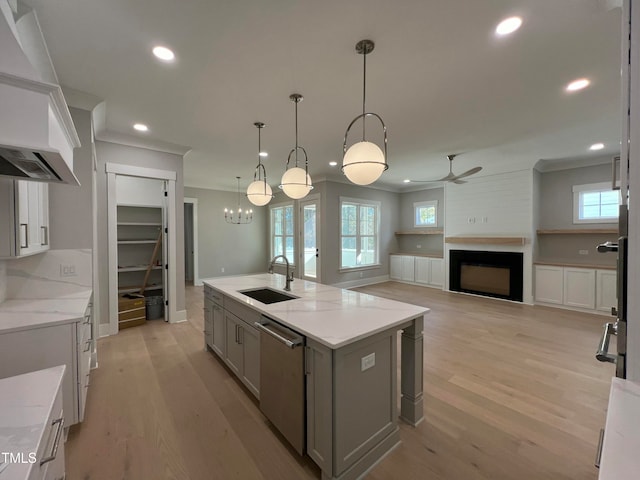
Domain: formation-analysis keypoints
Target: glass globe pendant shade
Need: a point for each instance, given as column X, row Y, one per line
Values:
column 296, row 183
column 259, row 193
column 363, row 163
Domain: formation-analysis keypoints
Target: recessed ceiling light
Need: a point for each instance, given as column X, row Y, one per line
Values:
column 508, row 26
column 578, row 84
column 597, row 146
column 333, row 164
column 163, row 53
column 141, row 127
column 406, row 180
column 263, row 154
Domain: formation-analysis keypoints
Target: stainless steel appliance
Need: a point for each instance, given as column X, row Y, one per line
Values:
column 282, row 377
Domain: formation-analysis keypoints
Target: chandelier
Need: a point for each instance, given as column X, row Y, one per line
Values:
column 239, row 217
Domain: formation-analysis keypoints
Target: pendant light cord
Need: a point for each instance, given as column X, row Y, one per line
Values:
column 364, row 94
column 296, row 107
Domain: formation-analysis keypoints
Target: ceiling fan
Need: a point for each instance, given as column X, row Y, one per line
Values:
column 452, row 177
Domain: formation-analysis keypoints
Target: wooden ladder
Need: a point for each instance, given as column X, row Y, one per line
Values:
column 151, row 263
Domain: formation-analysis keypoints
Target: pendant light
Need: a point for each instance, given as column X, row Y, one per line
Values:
column 259, row 191
column 364, row 162
column 240, row 217
column 296, row 182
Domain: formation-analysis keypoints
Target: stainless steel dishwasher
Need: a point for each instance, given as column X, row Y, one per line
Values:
column 282, row 389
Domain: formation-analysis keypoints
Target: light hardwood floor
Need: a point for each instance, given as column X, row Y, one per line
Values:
column 512, row 392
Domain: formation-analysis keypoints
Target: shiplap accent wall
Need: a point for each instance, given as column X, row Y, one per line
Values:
column 495, row 205
column 492, row 205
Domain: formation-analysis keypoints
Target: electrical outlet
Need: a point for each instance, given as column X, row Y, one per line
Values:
column 67, row 270
column 583, row 252
column 418, row 246
column 222, row 270
column 367, row 362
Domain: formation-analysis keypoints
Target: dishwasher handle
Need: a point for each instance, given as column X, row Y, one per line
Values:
column 289, row 343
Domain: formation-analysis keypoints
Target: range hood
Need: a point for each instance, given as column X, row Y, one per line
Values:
column 37, row 134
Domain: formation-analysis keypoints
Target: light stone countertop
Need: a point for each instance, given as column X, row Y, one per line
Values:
column 620, row 459
column 22, row 314
column 25, row 406
column 332, row 316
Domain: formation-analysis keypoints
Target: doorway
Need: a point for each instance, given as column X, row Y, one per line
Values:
column 191, row 271
column 310, row 239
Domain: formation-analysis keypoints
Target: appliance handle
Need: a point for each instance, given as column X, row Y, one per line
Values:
column 603, row 355
column 607, row 247
column 289, row 343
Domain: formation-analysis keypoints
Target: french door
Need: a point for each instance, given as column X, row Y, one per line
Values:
column 310, row 239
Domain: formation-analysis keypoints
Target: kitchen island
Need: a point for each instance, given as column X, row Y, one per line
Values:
column 349, row 365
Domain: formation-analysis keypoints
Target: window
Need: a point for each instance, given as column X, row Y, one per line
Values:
column 425, row 214
column 595, row 203
column 360, row 223
column 282, row 232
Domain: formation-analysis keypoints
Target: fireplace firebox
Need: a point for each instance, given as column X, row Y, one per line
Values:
column 493, row 274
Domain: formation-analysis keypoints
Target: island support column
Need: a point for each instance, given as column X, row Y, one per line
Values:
column 411, row 381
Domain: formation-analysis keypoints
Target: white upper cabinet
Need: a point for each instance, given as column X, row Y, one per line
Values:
column 24, row 218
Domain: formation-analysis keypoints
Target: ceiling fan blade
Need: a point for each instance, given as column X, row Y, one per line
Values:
column 458, row 182
column 468, row 172
column 426, row 181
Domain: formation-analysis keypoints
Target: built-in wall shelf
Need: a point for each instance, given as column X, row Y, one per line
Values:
column 414, row 254
column 433, row 231
column 576, row 231
column 134, row 289
column 487, row 240
column 140, row 224
column 140, row 268
column 135, row 242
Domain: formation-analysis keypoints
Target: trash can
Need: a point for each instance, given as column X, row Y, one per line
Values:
column 155, row 307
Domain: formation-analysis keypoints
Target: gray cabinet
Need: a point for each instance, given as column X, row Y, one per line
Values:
column 217, row 321
column 345, row 422
column 250, row 338
column 208, row 322
column 233, row 346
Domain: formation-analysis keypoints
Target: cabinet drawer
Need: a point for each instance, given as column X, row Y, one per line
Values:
column 246, row 314
column 51, row 449
column 83, row 333
column 213, row 295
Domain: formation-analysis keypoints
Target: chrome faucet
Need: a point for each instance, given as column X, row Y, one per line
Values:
column 289, row 275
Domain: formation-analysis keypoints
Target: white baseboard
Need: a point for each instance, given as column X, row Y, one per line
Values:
column 104, row 330
column 198, row 282
column 574, row 309
column 361, row 282
column 178, row 316
column 437, row 287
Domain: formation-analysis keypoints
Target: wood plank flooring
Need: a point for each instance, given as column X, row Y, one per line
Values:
column 512, row 392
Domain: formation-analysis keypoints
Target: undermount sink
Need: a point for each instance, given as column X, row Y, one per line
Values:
column 267, row 295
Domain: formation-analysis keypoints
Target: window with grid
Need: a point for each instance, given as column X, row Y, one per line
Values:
column 282, row 232
column 359, row 232
column 425, row 214
column 595, row 203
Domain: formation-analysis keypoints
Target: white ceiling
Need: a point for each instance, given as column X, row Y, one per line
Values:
column 440, row 79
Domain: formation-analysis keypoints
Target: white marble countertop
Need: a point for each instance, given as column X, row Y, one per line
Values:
column 620, row 459
column 21, row 314
column 25, row 406
column 329, row 315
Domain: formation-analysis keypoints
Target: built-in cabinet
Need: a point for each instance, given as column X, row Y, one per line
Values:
column 45, row 346
column 417, row 269
column 575, row 287
column 229, row 332
column 25, row 210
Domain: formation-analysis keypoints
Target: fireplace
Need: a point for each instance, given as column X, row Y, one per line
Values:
column 493, row 274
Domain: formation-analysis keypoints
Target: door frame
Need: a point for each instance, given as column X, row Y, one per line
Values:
column 196, row 274
column 112, row 170
column 310, row 199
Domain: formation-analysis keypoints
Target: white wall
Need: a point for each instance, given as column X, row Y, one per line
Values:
column 3, row 280
column 428, row 243
column 139, row 191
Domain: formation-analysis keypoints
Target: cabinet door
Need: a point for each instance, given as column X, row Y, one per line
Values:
column 606, row 296
column 408, row 268
column 218, row 330
column 319, row 379
column 549, row 284
column 208, row 322
column 437, row 275
column 44, row 215
column 250, row 339
column 422, row 270
column 233, row 347
column 395, row 271
column 580, row 287
column 34, row 193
